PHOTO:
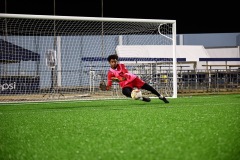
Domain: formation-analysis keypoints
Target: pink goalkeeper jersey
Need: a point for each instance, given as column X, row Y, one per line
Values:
column 120, row 72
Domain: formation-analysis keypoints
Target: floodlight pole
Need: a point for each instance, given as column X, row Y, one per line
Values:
column 102, row 38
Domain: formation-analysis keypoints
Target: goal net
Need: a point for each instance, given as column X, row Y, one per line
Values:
column 61, row 57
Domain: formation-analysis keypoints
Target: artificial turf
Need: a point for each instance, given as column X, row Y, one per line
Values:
column 188, row 128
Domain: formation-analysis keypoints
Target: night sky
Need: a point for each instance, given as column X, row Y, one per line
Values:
column 192, row 17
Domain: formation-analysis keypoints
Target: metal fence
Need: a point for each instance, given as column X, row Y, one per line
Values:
column 209, row 81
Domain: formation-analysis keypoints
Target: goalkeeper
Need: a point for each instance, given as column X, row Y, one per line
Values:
column 127, row 81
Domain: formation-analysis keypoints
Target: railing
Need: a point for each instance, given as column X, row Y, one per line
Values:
column 203, row 81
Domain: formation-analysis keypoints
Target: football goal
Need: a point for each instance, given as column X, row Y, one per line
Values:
column 62, row 57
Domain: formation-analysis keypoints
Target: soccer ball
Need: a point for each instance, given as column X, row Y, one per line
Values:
column 136, row 94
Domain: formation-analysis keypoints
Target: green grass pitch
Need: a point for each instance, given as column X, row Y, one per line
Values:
column 188, row 128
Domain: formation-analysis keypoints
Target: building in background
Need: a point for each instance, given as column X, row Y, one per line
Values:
column 210, row 39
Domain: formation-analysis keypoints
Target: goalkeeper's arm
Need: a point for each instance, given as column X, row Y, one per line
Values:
column 118, row 79
column 109, row 81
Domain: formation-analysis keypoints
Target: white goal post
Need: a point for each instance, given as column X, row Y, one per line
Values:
column 63, row 57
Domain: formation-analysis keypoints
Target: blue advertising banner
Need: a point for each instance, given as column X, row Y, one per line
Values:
column 19, row 84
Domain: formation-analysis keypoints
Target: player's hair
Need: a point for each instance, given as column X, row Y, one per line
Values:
column 112, row 56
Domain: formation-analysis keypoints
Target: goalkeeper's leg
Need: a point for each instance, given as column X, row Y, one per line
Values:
column 146, row 86
column 127, row 92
